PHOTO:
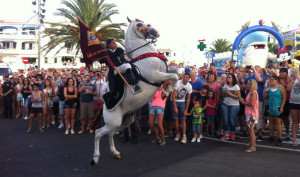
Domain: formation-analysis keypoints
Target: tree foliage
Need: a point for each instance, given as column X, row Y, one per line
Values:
column 220, row 46
column 94, row 13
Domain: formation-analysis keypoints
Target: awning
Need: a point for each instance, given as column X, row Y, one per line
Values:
column 8, row 27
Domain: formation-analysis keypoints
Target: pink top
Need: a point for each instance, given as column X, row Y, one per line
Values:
column 211, row 111
column 157, row 100
column 214, row 87
column 252, row 110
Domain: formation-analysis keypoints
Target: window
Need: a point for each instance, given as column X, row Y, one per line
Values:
column 5, row 71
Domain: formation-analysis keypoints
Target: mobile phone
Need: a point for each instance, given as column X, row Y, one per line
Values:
column 248, row 67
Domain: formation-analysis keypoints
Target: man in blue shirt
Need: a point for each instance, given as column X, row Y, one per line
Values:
column 187, row 69
column 261, row 80
column 88, row 91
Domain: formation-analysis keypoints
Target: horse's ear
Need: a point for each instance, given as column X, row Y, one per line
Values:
column 128, row 19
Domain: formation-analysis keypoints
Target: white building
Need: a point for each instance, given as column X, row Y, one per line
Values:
column 19, row 40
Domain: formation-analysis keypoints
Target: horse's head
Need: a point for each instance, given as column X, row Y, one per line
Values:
column 142, row 30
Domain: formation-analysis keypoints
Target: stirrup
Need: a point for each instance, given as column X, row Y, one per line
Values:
column 136, row 89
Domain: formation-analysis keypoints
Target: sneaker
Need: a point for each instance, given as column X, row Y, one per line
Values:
column 232, row 137
column 72, row 132
column 25, row 118
column 201, row 136
column 184, row 140
column 29, row 130
column 198, row 140
column 177, row 137
column 48, row 125
column 80, row 132
column 162, row 143
column 194, row 139
column 41, row 130
column 149, row 132
column 44, row 125
column 61, row 125
column 53, row 122
column 225, row 137
column 91, row 131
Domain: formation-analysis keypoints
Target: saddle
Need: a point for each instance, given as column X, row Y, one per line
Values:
column 111, row 100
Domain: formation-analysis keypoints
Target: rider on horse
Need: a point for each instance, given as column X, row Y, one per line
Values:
column 116, row 55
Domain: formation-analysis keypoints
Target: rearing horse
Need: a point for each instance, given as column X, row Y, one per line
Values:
column 152, row 68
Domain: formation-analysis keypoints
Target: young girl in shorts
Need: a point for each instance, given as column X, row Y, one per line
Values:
column 210, row 112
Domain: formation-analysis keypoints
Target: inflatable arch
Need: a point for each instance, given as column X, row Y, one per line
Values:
column 239, row 38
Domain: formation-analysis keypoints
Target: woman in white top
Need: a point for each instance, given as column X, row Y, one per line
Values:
column 294, row 88
column 18, row 89
column 230, row 106
column 48, row 103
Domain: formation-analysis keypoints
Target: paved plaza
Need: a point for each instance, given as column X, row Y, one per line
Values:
column 53, row 154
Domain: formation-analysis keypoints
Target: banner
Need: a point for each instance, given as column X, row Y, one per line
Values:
column 91, row 47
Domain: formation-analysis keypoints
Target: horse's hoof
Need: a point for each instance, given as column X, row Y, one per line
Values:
column 117, row 156
column 92, row 163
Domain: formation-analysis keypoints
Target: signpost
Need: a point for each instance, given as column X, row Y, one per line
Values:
column 201, row 46
column 25, row 61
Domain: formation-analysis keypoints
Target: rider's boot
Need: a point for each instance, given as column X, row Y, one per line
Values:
column 132, row 80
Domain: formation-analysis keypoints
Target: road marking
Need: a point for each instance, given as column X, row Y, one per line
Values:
column 263, row 146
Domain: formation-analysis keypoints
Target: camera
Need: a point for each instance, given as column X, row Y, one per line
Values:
column 248, row 67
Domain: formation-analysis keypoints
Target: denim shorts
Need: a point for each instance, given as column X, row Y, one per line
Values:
column 196, row 128
column 27, row 102
column 73, row 106
column 34, row 110
column 181, row 109
column 210, row 118
column 156, row 110
column 19, row 98
column 61, row 108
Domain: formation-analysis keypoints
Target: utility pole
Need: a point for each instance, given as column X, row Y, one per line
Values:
column 39, row 23
column 39, row 34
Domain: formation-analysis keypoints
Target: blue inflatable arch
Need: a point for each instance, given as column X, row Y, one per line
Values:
column 239, row 38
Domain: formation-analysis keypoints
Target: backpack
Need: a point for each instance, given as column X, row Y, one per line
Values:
column 273, row 108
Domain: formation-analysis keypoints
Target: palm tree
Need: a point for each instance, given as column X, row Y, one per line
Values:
column 93, row 13
column 220, row 46
column 272, row 47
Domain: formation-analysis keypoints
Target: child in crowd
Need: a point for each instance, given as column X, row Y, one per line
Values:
column 210, row 112
column 197, row 121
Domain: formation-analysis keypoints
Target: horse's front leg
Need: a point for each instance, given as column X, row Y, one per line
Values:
column 161, row 76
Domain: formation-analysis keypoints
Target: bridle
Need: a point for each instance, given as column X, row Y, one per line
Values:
column 146, row 34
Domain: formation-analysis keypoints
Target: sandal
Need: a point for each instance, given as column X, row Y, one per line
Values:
column 295, row 144
column 29, row 130
column 251, row 149
column 248, row 144
column 155, row 141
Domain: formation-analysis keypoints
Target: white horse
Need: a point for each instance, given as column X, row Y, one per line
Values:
column 152, row 69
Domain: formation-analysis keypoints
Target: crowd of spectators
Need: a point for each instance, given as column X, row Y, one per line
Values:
column 202, row 103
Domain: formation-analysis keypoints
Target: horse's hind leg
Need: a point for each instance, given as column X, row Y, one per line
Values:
column 128, row 120
column 99, row 133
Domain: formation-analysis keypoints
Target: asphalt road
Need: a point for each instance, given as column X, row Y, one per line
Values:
column 54, row 154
